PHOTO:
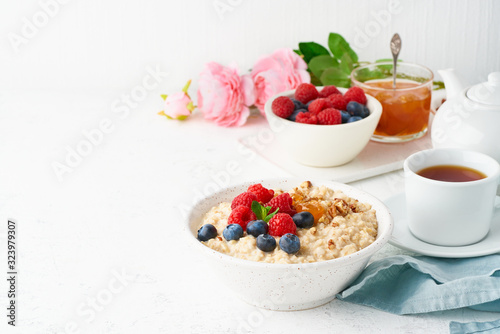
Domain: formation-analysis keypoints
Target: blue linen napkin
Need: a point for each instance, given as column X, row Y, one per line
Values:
column 489, row 327
column 409, row 285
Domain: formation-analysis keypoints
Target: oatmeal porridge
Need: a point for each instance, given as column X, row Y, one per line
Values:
column 342, row 226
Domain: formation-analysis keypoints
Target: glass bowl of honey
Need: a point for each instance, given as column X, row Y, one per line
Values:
column 405, row 106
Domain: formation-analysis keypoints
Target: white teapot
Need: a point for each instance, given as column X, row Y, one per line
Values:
column 470, row 118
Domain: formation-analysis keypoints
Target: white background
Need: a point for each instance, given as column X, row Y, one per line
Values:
column 118, row 209
column 100, row 45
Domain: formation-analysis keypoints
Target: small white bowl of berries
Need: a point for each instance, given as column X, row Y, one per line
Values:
column 323, row 126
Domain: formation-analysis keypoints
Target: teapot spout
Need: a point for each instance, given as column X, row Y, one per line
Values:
column 453, row 83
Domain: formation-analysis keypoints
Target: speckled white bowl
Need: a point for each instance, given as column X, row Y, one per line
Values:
column 287, row 287
column 323, row 145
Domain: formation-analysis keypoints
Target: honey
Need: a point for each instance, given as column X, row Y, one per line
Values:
column 405, row 110
column 314, row 207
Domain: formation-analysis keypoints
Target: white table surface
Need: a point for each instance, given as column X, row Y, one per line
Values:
column 119, row 213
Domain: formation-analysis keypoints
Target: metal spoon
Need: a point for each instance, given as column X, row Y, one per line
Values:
column 395, row 48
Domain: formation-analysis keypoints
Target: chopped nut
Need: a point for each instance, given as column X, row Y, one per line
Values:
column 219, row 238
column 331, row 244
column 341, row 206
column 306, row 184
column 324, row 219
column 312, row 230
column 278, row 192
column 332, row 211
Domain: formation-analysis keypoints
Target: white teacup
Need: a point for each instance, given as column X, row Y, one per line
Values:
column 450, row 213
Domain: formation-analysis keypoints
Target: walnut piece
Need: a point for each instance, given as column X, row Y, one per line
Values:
column 278, row 192
column 324, row 219
column 331, row 244
column 306, row 184
column 342, row 208
column 332, row 211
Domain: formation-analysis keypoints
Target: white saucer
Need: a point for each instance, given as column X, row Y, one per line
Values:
column 403, row 238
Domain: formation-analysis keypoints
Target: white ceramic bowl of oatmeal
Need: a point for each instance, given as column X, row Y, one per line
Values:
column 289, row 286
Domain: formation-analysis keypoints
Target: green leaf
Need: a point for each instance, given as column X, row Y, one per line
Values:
column 335, row 76
column 311, row 50
column 259, row 210
column 297, row 51
column 320, row 63
column 315, row 80
column 164, row 96
column 346, row 64
column 339, row 46
column 385, row 60
column 268, row 217
column 437, row 85
column 378, row 72
column 262, row 212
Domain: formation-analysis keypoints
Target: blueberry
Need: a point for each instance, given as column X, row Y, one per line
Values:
column 354, row 119
column 298, row 104
column 293, row 116
column 290, row 243
column 233, row 232
column 207, row 232
column 355, row 109
column 257, row 227
column 303, row 219
column 366, row 112
column 266, row 243
column 345, row 116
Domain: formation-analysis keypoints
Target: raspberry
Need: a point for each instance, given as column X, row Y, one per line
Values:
column 329, row 116
column 244, row 199
column 338, row 101
column 241, row 215
column 306, row 92
column 329, row 90
column 263, row 195
column 281, row 224
column 319, row 104
column 283, row 106
column 307, row 118
column 282, row 202
column 355, row 94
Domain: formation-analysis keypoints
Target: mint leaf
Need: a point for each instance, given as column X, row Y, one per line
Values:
column 339, row 46
column 311, row 50
column 262, row 212
column 268, row 217
column 259, row 210
column 319, row 64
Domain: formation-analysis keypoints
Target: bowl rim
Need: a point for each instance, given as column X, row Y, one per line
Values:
column 368, row 251
column 376, row 112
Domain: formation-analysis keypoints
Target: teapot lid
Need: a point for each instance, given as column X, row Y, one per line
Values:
column 487, row 92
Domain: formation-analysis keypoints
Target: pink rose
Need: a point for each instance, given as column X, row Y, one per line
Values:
column 283, row 70
column 224, row 96
column 178, row 105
